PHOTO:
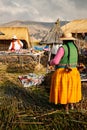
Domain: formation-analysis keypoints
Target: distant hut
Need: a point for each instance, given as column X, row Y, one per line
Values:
column 78, row 28
column 6, row 34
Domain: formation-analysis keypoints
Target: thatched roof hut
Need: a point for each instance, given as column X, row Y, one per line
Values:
column 53, row 35
column 21, row 33
column 78, row 28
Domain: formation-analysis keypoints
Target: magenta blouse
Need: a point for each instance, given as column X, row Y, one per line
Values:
column 58, row 56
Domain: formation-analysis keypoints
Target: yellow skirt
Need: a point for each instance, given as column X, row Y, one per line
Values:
column 65, row 86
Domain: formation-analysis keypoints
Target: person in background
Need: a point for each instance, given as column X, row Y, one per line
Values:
column 15, row 44
column 54, row 49
column 66, row 82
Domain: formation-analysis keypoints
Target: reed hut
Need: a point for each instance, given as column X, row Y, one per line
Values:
column 78, row 28
column 52, row 37
column 22, row 33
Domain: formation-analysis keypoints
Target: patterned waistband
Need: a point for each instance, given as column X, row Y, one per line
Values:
column 64, row 66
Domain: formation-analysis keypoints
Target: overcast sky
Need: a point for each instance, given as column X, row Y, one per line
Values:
column 42, row 10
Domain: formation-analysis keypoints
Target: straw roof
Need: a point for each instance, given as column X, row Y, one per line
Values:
column 21, row 33
column 76, row 26
column 53, row 35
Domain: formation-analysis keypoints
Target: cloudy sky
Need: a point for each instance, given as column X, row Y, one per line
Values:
column 42, row 10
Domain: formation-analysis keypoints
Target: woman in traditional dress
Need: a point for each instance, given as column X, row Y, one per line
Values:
column 66, row 82
column 15, row 44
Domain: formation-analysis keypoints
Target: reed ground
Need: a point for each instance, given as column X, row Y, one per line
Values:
column 29, row 108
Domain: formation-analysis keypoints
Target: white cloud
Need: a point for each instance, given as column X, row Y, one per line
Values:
column 16, row 4
column 38, row 10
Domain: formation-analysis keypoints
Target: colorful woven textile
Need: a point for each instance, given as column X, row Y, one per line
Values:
column 31, row 79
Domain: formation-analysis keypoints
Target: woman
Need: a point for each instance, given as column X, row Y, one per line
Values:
column 66, row 82
column 15, row 44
